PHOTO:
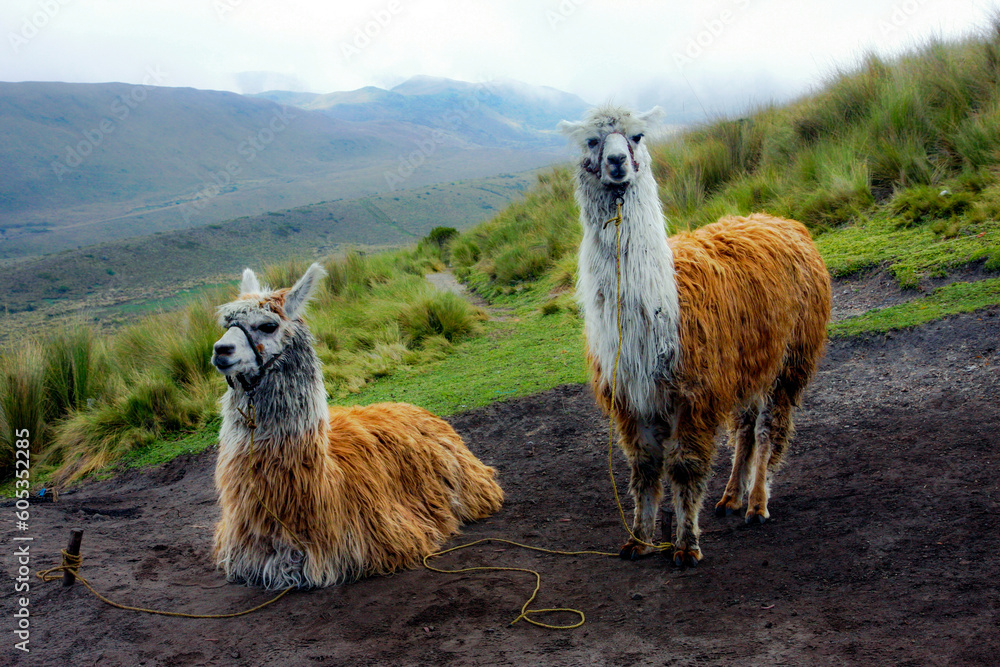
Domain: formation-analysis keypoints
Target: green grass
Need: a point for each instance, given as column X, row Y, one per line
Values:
column 163, row 450
column 942, row 302
column 907, row 252
column 512, row 358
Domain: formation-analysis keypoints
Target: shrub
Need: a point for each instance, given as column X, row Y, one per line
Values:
column 440, row 236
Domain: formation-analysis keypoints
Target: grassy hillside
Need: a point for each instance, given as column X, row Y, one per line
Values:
column 112, row 281
column 894, row 167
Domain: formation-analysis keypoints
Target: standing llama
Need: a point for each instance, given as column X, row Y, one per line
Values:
column 721, row 326
column 312, row 495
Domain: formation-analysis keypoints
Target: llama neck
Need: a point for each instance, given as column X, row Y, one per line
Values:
column 650, row 315
column 289, row 402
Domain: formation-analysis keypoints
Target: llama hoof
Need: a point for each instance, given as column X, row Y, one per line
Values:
column 633, row 551
column 756, row 517
column 722, row 510
column 687, row 557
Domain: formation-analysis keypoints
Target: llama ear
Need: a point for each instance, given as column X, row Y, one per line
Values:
column 569, row 128
column 653, row 116
column 249, row 284
column 302, row 291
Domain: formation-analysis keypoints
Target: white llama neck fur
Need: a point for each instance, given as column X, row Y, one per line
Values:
column 650, row 316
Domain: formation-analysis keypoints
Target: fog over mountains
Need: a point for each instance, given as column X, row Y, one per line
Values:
column 84, row 163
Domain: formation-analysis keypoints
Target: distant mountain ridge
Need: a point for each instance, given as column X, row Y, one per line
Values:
column 88, row 163
column 495, row 113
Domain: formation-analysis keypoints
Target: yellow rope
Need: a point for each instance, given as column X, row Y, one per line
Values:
column 524, row 615
column 71, row 563
column 662, row 546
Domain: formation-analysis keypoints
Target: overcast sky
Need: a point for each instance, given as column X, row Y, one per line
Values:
column 714, row 54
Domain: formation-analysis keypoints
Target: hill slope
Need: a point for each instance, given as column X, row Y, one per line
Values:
column 96, row 279
column 85, row 163
column 812, row 159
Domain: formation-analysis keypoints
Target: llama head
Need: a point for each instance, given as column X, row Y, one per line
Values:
column 261, row 323
column 611, row 139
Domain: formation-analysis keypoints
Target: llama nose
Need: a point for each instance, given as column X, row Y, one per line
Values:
column 224, row 349
column 616, row 165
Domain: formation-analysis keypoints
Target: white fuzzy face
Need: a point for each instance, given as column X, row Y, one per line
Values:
column 232, row 354
column 265, row 320
column 612, row 142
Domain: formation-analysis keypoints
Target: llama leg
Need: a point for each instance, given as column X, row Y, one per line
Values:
column 782, row 428
column 688, row 466
column 742, row 441
column 774, row 430
column 645, row 454
column 757, row 502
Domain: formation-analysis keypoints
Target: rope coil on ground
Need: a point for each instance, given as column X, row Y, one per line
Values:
column 525, row 612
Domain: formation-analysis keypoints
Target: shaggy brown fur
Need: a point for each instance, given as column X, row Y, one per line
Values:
column 393, row 483
column 754, row 299
column 366, row 490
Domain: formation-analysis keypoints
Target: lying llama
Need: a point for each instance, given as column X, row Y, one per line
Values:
column 721, row 326
column 312, row 495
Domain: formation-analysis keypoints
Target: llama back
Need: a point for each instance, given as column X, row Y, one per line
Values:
column 429, row 481
column 769, row 294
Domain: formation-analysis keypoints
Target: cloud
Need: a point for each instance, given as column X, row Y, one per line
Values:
column 713, row 53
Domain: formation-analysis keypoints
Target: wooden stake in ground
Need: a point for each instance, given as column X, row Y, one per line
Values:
column 75, row 538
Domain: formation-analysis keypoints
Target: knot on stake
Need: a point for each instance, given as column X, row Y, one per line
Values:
column 70, row 568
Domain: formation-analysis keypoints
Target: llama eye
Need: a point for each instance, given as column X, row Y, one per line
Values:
column 592, row 143
column 637, row 138
column 268, row 328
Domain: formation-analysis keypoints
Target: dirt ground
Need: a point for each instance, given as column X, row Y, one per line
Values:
column 882, row 549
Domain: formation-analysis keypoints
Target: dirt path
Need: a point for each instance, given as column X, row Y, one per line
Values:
column 882, row 549
column 446, row 282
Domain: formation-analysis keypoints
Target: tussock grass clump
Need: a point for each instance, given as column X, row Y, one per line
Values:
column 439, row 314
column 91, row 439
column 75, row 370
column 22, row 401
